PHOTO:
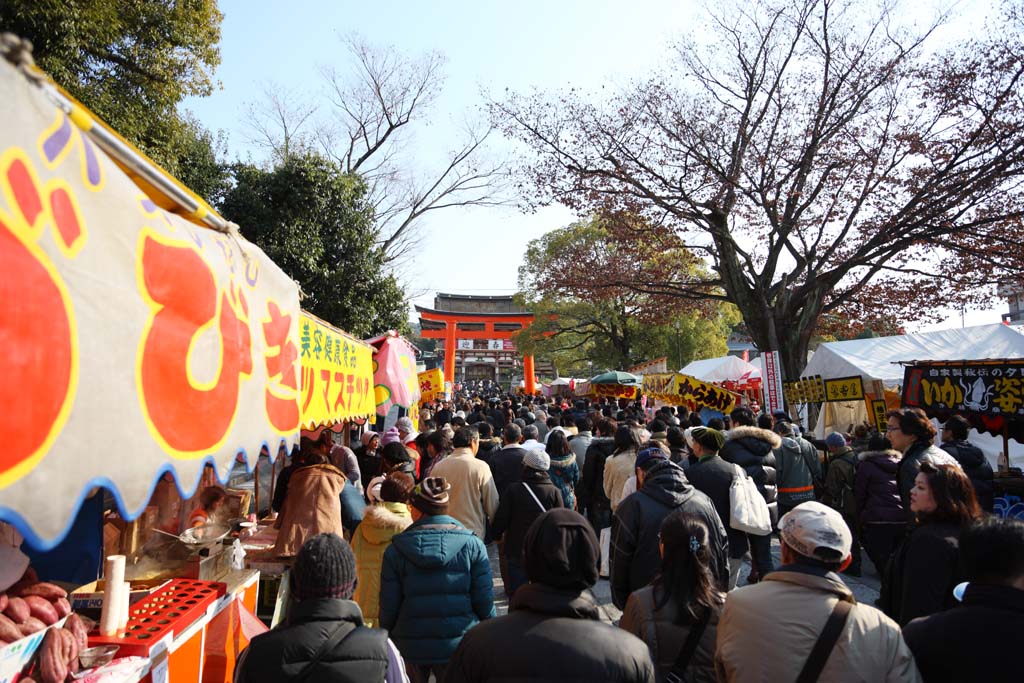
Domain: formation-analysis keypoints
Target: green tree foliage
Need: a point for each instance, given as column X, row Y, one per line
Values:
column 317, row 224
column 132, row 62
column 575, row 280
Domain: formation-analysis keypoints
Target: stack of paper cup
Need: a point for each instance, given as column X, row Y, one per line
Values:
column 113, row 595
column 125, row 599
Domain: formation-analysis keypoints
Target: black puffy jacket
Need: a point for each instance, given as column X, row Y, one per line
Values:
column 976, row 467
column 590, row 495
column 518, row 509
column 279, row 655
column 635, row 557
column 751, row 448
column 550, row 635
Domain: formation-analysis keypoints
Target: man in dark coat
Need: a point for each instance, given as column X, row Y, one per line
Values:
column 553, row 630
column 523, row 502
column 714, row 476
column 506, row 463
column 662, row 489
column 970, row 457
column 590, row 493
column 751, row 448
column 979, row 640
column 323, row 625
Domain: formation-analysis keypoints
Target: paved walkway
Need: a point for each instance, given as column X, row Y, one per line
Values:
column 865, row 588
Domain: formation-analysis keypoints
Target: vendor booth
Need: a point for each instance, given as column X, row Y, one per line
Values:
column 874, row 365
column 149, row 346
column 678, row 389
column 396, row 382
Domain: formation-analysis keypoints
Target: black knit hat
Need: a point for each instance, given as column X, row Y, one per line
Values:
column 324, row 568
column 710, row 439
column 561, row 550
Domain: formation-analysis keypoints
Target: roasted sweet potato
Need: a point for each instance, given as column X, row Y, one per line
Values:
column 44, row 590
column 17, row 610
column 62, row 606
column 53, row 665
column 41, row 609
column 31, row 625
column 3, row 602
column 76, row 627
column 9, row 631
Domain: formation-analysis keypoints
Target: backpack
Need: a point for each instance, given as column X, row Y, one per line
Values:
column 748, row 511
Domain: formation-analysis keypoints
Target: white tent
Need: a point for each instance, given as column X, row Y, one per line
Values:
column 724, row 369
column 878, row 358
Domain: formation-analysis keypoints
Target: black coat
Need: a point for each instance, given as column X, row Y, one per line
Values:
column 977, row 641
column 922, row 573
column 278, row 655
column 369, row 465
column 876, row 491
column 550, row 635
column 713, row 476
column 976, row 467
column 518, row 509
column 751, row 448
column 635, row 559
column 590, row 494
column 506, row 466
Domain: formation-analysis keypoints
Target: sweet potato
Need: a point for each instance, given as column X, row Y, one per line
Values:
column 3, row 602
column 31, row 625
column 77, row 628
column 53, row 667
column 62, row 606
column 9, row 631
column 71, row 652
column 41, row 609
column 17, row 610
column 43, row 590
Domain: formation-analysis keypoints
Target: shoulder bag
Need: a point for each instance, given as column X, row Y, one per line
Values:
column 826, row 643
column 337, row 635
column 748, row 511
column 689, row 648
column 534, row 496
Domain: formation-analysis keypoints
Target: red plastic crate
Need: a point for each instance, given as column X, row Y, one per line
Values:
column 169, row 610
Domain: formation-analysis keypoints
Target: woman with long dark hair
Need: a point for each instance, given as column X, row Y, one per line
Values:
column 924, row 570
column 439, row 445
column 681, row 606
column 565, row 471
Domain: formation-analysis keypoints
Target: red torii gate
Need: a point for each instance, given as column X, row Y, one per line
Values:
column 469, row 325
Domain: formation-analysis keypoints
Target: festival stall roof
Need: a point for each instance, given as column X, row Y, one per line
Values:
column 143, row 335
column 879, row 358
column 724, row 369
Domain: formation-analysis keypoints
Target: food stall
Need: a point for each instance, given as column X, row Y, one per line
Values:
column 431, row 385
column 151, row 346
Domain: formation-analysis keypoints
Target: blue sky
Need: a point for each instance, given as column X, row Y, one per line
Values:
column 489, row 47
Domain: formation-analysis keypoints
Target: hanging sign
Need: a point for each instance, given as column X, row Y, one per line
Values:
column 431, row 384
column 878, row 411
column 989, row 388
column 337, row 374
column 696, row 394
column 614, row 391
column 661, row 386
column 772, row 375
column 844, row 389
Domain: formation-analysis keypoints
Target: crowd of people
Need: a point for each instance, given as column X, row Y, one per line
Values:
column 392, row 580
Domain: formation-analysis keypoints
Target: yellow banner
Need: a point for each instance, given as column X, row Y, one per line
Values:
column 431, row 384
column 613, row 391
column 844, row 389
column 337, row 374
column 661, row 386
column 697, row 394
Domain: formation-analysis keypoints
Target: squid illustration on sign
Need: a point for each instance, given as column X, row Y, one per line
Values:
column 977, row 396
column 394, row 375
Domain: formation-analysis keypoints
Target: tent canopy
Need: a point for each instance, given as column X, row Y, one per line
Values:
column 723, row 369
column 878, row 358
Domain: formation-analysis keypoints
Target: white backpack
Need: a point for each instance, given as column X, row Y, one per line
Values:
column 748, row 511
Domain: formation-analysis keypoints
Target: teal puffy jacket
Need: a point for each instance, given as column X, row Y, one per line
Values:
column 435, row 585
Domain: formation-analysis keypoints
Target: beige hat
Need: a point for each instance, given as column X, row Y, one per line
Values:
column 816, row 531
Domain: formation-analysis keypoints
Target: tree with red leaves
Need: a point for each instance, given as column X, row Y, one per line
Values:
column 835, row 170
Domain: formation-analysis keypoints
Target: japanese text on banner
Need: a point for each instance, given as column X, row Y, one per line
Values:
column 337, row 374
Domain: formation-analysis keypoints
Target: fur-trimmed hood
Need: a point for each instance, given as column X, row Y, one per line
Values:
column 744, row 432
column 890, row 453
column 381, row 521
column 888, row 460
column 565, row 461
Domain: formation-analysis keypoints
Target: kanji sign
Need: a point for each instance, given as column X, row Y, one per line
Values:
column 878, row 411
column 661, row 386
column 613, row 391
column 772, row 374
column 844, row 389
column 337, row 375
column 993, row 388
column 431, row 384
column 136, row 341
column 696, row 394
